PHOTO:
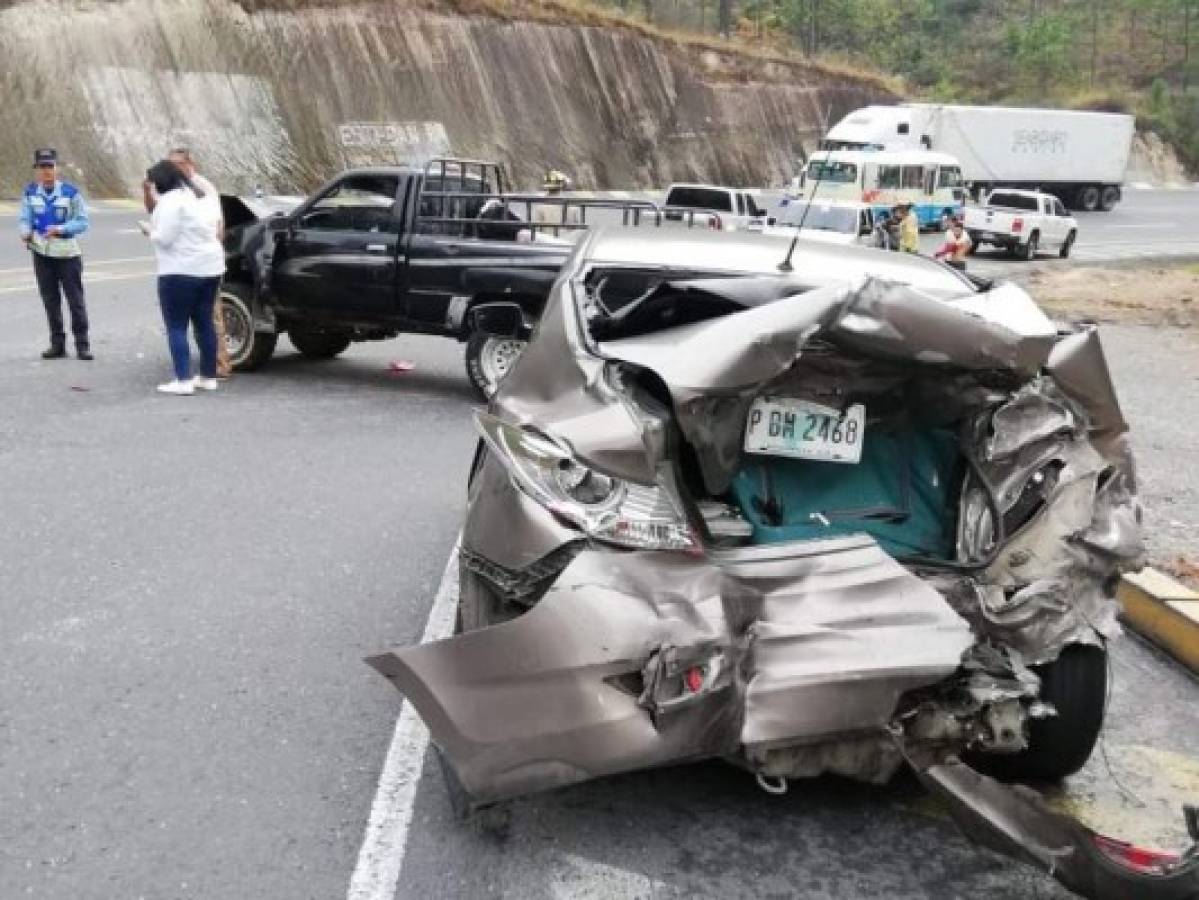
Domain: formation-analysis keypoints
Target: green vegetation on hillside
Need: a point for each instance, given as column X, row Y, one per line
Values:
column 1129, row 55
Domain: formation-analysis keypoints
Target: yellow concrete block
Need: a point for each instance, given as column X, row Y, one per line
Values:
column 1170, row 623
column 1160, row 585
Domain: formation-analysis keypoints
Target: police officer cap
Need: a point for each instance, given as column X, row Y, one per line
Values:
column 45, row 155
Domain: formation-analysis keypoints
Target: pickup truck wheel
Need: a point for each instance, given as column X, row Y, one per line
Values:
column 1088, row 198
column 1067, row 245
column 1076, row 685
column 1109, row 198
column 489, row 359
column 318, row 344
column 1029, row 250
column 248, row 349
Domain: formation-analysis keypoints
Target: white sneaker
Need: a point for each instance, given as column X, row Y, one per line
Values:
column 205, row 384
column 179, row 388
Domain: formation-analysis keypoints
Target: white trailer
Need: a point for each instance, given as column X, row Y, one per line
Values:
column 1080, row 157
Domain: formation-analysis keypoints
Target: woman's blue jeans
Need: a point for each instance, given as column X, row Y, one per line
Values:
column 184, row 299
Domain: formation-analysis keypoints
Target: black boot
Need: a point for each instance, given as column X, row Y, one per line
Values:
column 54, row 353
column 84, row 353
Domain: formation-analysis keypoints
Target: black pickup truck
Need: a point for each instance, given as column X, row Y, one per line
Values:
column 383, row 251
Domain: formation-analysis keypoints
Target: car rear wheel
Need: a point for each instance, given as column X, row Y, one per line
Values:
column 1076, row 685
column 248, row 349
column 1088, row 198
column 1029, row 250
column 1067, row 245
column 489, row 359
column 318, row 344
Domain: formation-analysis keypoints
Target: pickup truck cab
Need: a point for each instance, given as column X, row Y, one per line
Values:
column 1023, row 223
column 831, row 222
column 382, row 251
column 720, row 208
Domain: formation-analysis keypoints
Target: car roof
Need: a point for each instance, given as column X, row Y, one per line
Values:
column 700, row 249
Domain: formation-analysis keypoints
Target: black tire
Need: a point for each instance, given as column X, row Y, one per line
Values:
column 1076, row 684
column 1089, row 197
column 488, row 361
column 248, row 349
column 1029, row 251
column 1064, row 252
column 1109, row 197
column 318, row 344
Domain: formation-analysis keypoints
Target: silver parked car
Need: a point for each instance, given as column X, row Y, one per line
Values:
column 843, row 514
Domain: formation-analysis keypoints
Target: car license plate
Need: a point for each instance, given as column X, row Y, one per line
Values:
column 780, row 426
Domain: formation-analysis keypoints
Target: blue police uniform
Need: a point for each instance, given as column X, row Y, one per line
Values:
column 57, row 258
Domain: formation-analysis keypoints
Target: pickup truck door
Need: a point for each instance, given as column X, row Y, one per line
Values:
column 338, row 255
column 1060, row 219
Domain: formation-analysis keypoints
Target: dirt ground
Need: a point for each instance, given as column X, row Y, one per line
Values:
column 1146, row 294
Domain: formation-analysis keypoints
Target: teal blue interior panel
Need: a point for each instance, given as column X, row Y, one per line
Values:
column 903, row 493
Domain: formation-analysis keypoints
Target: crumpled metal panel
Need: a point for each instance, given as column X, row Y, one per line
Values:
column 1051, row 582
column 1015, row 821
column 843, row 631
column 817, row 642
column 714, row 368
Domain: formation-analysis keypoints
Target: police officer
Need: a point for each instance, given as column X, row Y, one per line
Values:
column 53, row 215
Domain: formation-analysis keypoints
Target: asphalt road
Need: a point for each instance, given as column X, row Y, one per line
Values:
column 188, row 585
column 1147, row 223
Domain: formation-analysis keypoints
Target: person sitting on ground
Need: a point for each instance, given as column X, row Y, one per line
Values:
column 957, row 245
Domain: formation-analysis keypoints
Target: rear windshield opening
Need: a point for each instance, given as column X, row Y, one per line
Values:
column 700, row 198
column 1013, row 201
column 622, row 303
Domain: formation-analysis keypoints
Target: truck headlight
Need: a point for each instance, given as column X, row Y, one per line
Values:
column 642, row 517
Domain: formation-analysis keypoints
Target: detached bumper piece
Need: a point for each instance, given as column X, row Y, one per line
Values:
column 1013, row 820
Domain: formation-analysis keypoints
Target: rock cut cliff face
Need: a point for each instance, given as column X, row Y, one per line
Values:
column 284, row 97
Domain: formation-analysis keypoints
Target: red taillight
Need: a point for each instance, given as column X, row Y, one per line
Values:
column 1138, row 859
column 714, row 223
column 1017, row 225
column 694, row 679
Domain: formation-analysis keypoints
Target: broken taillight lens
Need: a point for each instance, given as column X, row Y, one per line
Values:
column 638, row 516
column 1138, row 859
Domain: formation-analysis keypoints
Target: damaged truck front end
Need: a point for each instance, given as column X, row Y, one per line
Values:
column 806, row 523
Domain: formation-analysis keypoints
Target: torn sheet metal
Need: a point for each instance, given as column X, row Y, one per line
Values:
column 1013, row 820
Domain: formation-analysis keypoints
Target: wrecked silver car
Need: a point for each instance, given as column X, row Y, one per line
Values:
column 838, row 516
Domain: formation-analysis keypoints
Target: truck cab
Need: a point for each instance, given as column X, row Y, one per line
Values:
column 722, row 208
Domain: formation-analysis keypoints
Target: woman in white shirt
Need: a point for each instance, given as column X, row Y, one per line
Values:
column 191, row 262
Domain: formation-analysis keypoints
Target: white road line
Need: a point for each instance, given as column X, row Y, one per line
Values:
column 381, row 856
column 87, row 280
column 88, row 262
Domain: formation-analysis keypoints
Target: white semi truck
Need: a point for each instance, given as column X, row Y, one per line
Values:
column 1079, row 157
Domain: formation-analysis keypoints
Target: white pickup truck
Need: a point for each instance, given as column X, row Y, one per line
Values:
column 1023, row 223
column 718, row 208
